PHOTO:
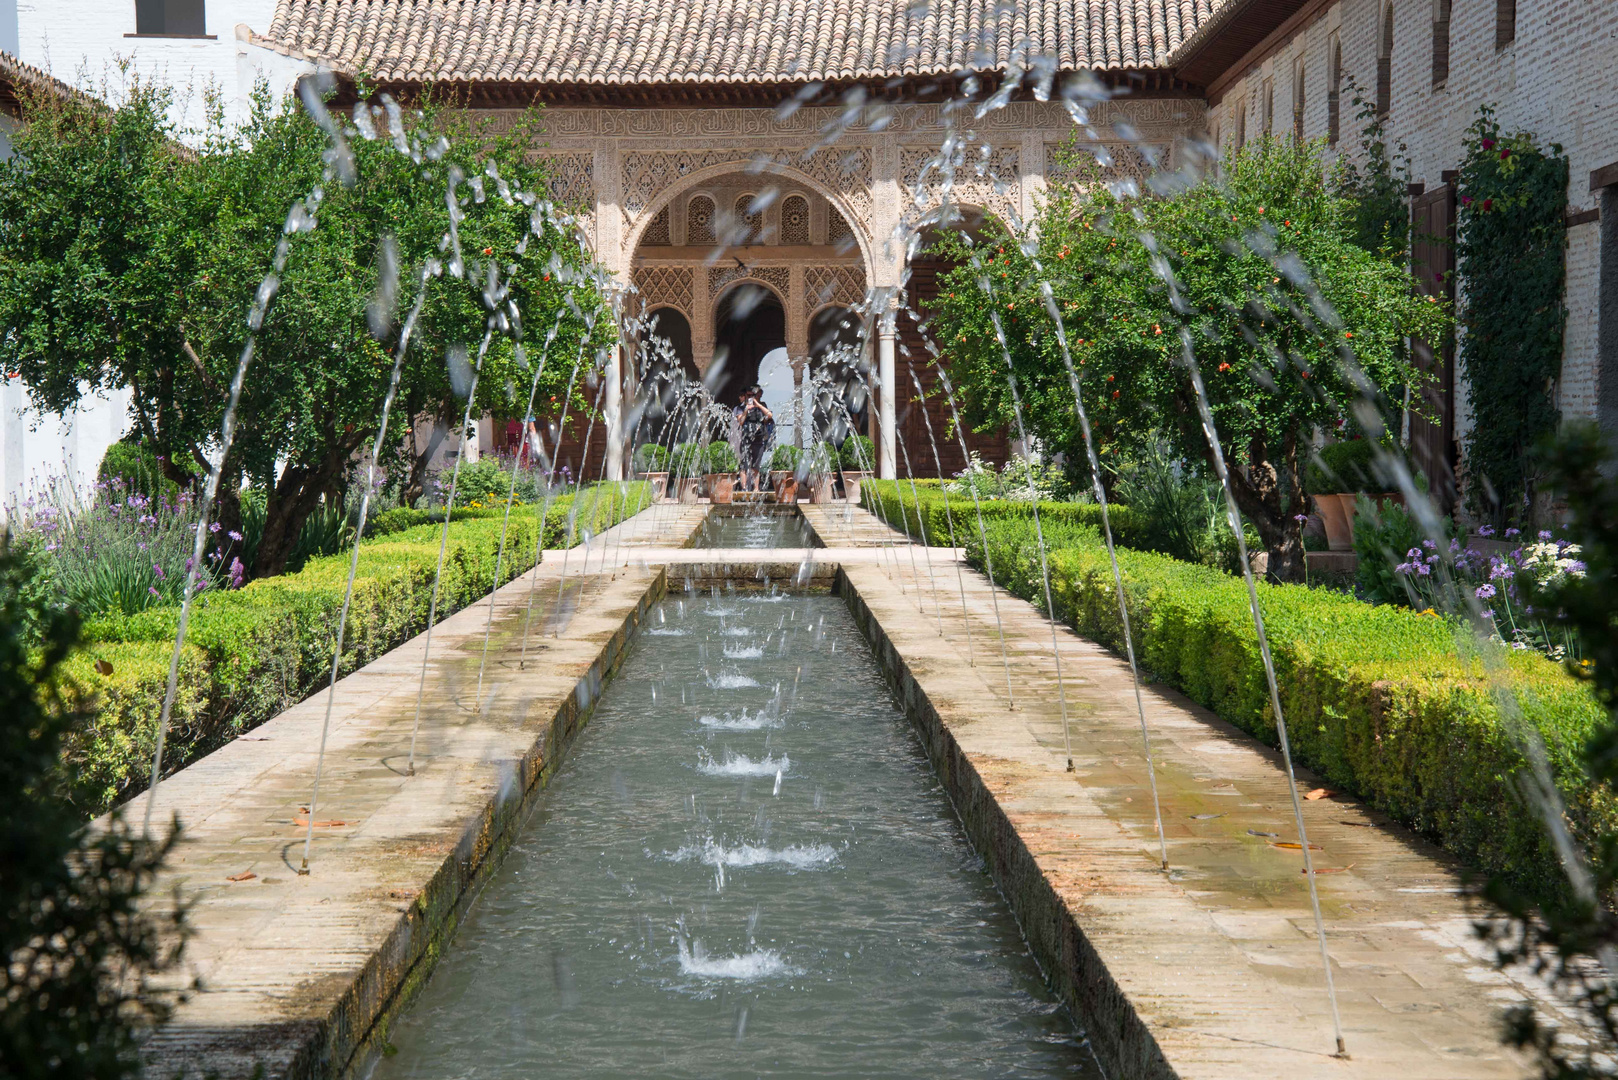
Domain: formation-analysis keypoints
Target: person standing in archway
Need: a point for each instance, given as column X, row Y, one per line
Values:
column 757, row 424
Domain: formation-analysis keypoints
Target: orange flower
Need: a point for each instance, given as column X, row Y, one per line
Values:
column 1224, row 367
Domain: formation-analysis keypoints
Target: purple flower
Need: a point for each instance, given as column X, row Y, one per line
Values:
column 1423, row 569
column 1485, row 592
column 1413, row 553
column 1486, row 530
column 152, row 589
column 237, row 571
column 1544, row 534
column 1488, row 613
column 214, row 528
column 1499, row 570
column 158, row 570
column 234, row 535
column 1575, row 566
column 1428, row 544
column 1513, row 532
column 1300, row 518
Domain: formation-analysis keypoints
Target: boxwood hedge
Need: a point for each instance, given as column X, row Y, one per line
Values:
column 1378, row 699
column 255, row 651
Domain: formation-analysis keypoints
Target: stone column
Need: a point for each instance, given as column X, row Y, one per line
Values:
column 610, row 240
column 612, row 410
column 888, row 450
column 701, row 319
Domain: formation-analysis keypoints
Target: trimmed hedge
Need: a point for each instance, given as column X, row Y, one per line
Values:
column 1377, row 699
column 928, row 520
column 256, row 651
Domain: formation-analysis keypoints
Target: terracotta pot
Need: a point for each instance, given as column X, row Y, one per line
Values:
column 820, row 489
column 690, row 489
column 851, row 485
column 659, row 482
column 721, row 486
column 1337, row 511
column 786, row 488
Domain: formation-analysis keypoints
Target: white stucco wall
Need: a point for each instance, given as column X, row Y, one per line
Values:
column 35, row 449
column 81, row 42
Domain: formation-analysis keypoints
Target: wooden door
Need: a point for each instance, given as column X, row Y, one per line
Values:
column 1432, row 262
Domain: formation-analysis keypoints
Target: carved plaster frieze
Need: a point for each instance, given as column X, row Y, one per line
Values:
column 840, row 285
column 778, row 278
column 989, row 182
column 572, row 177
column 666, row 286
column 647, row 174
column 1112, row 162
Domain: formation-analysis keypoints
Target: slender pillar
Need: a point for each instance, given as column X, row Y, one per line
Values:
column 887, row 453
column 613, row 408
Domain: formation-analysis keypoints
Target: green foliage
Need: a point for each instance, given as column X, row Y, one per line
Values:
column 1344, row 467
column 1569, row 940
column 1383, row 538
column 482, row 483
column 786, row 459
column 1184, row 514
column 857, row 454
column 819, row 459
column 137, row 466
column 79, row 949
column 1376, row 698
column 687, row 459
column 130, row 263
column 1269, row 286
column 1373, row 185
column 652, row 457
column 253, row 652
column 719, row 457
column 926, row 519
column 1511, row 241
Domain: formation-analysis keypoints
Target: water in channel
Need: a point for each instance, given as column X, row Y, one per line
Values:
column 766, row 526
column 744, row 868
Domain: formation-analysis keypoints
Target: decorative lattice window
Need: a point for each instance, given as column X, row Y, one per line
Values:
column 1334, row 89
column 699, row 221
column 838, row 232
column 795, row 220
column 749, row 222
column 657, row 232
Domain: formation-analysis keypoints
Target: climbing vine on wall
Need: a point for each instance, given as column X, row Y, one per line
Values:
column 1511, row 238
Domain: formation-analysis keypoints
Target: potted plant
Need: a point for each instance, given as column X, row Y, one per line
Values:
column 685, row 465
column 856, row 458
column 784, row 473
column 1338, row 474
column 719, row 460
column 652, row 463
column 820, row 465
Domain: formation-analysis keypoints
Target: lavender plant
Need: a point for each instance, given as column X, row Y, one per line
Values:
column 119, row 550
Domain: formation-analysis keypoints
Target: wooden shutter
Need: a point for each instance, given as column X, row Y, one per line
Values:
column 1441, row 43
column 1505, row 22
column 1432, row 425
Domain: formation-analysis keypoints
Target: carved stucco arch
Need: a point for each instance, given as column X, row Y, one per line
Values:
column 731, row 286
column 803, row 181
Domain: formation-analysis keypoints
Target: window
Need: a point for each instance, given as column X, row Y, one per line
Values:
column 171, row 18
column 1241, row 123
column 749, row 220
column 1334, row 88
column 1440, row 41
column 1269, row 106
column 1298, row 82
column 1505, row 22
column 795, row 220
column 1384, row 64
column 699, row 221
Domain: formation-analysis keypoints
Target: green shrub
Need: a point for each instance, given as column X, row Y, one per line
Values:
column 652, row 457
column 786, row 459
column 1343, row 468
column 1377, row 700
column 858, row 454
column 133, row 462
column 255, row 651
column 719, row 458
column 929, row 523
column 687, row 459
column 482, row 483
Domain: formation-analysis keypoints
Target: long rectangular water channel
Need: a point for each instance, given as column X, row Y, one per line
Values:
column 744, row 868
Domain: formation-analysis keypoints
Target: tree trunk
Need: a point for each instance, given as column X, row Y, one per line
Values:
column 420, row 458
column 296, row 495
column 1259, row 495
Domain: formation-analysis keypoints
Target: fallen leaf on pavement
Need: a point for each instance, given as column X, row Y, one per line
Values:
column 1255, row 832
column 303, row 821
column 1292, row 845
column 1329, row 869
column 1318, row 793
column 245, row 875
column 1204, row 817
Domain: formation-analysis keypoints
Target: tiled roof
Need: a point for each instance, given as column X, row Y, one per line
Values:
column 14, row 75
column 645, row 42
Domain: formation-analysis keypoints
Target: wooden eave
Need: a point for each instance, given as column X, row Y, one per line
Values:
column 487, row 94
column 1240, row 35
